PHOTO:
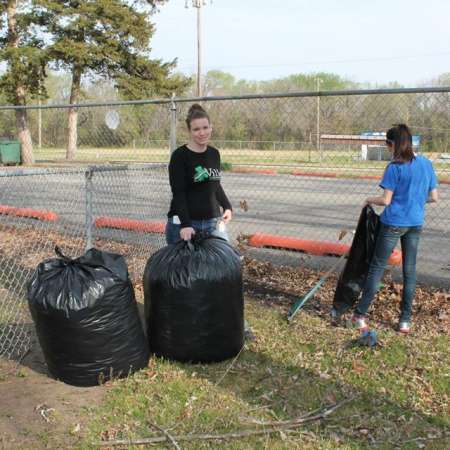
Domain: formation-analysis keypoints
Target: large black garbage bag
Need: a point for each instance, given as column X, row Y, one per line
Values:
column 86, row 318
column 194, row 301
column 353, row 277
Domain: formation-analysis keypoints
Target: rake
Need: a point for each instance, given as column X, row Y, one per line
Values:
column 302, row 300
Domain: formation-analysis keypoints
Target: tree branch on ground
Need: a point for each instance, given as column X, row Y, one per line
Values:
column 275, row 427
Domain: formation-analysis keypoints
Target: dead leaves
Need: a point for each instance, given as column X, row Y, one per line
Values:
column 244, row 205
column 45, row 412
column 358, row 366
column 279, row 285
column 342, row 234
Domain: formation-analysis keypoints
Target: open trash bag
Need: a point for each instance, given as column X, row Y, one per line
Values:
column 86, row 318
column 194, row 301
column 353, row 277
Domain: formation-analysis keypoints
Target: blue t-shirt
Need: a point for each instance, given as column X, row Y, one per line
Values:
column 411, row 184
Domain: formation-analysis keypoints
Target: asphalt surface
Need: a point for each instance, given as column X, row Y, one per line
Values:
column 287, row 205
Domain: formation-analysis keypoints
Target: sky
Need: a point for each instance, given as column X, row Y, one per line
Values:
column 375, row 41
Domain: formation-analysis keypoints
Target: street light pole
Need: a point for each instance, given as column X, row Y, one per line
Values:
column 199, row 48
column 198, row 4
column 319, row 148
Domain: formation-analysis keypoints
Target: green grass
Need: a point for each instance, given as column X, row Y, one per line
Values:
column 400, row 391
column 343, row 162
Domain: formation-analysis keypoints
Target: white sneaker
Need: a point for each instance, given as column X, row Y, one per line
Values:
column 404, row 326
column 359, row 322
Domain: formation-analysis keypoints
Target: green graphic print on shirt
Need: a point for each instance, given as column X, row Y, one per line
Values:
column 203, row 174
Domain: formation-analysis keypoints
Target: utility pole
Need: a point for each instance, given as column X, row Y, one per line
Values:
column 198, row 4
column 173, row 124
column 40, row 124
column 40, row 116
column 199, row 48
column 319, row 148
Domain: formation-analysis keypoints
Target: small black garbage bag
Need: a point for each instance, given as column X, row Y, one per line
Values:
column 353, row 277
column 194, row 305
column 86, row 318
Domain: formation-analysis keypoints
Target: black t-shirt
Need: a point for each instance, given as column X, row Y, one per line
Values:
column 195, row 183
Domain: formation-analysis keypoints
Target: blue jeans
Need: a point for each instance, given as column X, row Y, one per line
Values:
column 387, row 239
column 205, row 226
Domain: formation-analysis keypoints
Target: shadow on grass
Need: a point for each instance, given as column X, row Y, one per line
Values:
column 268, row 389
column 278, row 392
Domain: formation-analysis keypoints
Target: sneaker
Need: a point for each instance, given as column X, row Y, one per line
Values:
column 404, row 326
column 335, row 317
column 359, row 322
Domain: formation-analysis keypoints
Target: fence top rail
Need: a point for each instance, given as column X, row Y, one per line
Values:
column 165, row 101
column 39, row 171
column 82, row 169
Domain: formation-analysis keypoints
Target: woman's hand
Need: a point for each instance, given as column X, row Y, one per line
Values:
column 187, row 233
column 227, row 215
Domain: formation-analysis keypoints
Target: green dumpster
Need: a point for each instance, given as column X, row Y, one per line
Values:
column 9, row 152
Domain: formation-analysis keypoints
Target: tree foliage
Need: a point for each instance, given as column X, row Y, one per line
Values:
column 101, row 39
column 21, row 48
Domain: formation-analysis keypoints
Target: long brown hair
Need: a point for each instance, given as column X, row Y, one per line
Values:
column 195, row 112
column 400, row 137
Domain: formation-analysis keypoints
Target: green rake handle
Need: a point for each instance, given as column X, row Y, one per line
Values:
column 302, row 300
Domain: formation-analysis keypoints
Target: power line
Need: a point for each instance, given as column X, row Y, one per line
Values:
column 330, row 61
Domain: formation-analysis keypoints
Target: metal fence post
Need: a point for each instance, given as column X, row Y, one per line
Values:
column 173, row 124
column 89, row 207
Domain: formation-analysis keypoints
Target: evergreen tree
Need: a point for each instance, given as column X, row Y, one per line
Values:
column 110, row 39
column 23, row 51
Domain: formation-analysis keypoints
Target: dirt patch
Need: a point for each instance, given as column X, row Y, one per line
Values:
column 38, row 411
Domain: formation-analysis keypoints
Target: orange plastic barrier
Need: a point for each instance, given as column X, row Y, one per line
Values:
column 319, row 248
column 314, row 174
column 259, row 171
column 48, row 216
column 129, row 224
column 368, row 177
column 333, row 175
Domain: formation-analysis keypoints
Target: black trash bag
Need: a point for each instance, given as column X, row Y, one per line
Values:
column 86, row 318
column 353, row 277
column 194, row 306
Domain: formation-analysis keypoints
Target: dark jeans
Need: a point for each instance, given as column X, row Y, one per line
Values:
column 386, row 241
column 206, row 226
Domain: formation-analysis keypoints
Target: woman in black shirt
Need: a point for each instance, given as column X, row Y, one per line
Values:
column 198, row 201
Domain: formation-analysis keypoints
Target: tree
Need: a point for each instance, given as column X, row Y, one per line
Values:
column 107, row 39
column 23, row 51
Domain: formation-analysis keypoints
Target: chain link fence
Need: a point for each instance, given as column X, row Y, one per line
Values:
column 73, row 209
column 297, row 166
column 317, row 129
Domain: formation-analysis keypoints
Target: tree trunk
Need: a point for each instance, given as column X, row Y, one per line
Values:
column 72, row 119
column 23, row 132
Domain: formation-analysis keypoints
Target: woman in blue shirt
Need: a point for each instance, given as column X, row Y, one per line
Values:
column 409, row 182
